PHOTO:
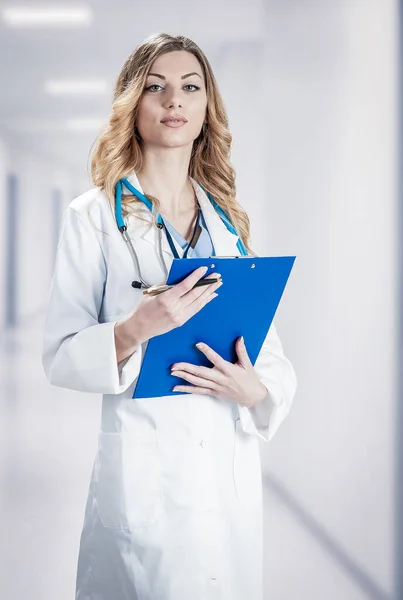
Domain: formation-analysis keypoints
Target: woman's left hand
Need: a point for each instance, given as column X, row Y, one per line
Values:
column 237, row 382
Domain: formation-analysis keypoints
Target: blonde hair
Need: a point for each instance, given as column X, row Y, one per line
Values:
column 118, row 148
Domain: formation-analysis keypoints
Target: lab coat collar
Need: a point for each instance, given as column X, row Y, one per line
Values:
column 224, row 242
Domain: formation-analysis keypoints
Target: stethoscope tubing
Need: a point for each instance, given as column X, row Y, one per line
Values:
column 160, row 225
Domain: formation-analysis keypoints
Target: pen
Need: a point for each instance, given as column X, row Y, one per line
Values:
column 159, row 289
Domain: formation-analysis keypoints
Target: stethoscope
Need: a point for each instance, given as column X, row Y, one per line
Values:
column 161, row 226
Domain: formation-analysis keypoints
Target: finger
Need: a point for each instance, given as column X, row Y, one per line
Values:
column 202, row 373
column 190, row 389
column 171, row 298
column 189, row 311
column 242, row 353
column 195, row 380
column 187, row 284
column 213, row 357
column 198, row 297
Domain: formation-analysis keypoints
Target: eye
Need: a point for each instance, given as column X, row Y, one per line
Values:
column 153, row 85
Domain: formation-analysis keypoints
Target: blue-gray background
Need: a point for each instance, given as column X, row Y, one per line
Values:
column 312, row 92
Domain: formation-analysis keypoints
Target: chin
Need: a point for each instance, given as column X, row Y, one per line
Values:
column 171, row 141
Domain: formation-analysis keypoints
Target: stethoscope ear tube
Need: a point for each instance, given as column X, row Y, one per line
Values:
column 240, row 245
column 118, row 207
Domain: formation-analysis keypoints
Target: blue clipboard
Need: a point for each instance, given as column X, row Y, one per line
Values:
column 246, row 304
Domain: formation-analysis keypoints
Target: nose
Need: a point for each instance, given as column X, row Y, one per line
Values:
column 173, row 99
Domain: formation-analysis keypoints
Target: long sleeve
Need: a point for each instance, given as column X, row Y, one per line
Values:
column 277, row 374
column 79, row 352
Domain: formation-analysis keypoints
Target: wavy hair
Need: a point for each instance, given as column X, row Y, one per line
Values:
column 118, row 148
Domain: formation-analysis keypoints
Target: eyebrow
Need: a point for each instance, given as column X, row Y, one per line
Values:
column 183, row 76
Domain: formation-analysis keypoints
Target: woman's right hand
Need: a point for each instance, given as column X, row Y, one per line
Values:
column 155, row 315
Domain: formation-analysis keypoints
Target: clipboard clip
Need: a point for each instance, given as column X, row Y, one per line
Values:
column 212, row 266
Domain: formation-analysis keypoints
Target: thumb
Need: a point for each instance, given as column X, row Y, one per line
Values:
column 242, row 353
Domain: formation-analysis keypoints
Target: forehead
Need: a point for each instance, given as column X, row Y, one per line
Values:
column 177, row 62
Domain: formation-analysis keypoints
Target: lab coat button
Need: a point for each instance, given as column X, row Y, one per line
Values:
column 203, row 443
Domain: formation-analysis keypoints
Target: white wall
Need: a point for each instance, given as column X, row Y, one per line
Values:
column 37, row 178
column 3, row 200
column 238, row 69
column 330, row 145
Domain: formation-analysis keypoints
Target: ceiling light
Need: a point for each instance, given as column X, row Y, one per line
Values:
column 24, row 16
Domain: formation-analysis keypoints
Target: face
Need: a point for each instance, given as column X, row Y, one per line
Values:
column 174, row 87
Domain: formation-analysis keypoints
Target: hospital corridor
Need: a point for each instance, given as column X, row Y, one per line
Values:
column 312, row 94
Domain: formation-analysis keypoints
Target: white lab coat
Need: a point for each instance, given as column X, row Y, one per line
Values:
column 174, row 509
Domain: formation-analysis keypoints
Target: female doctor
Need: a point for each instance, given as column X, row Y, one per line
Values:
column 174, row 509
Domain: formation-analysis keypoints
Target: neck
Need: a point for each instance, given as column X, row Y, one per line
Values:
column 165, row 175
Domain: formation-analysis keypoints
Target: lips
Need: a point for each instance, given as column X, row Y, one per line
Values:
column 174, row 119
column 174, row 124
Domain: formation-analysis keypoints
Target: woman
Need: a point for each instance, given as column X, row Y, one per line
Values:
column 174, row 509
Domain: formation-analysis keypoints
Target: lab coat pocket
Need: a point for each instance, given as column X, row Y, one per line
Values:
column 247, row 467
column 128, row 479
